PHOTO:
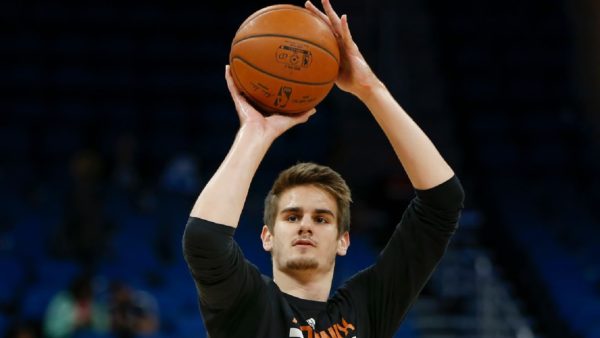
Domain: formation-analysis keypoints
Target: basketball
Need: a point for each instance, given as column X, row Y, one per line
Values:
column 284, row 59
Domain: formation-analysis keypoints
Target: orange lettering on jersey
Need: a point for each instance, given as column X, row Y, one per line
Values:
column 347, row 325
column 308, row 330
column 323, row 334
column 335, row 331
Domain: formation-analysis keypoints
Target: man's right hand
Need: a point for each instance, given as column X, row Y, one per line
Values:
column 269, row 127
column 222, row 199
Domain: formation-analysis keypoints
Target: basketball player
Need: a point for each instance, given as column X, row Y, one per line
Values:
column 306, row 221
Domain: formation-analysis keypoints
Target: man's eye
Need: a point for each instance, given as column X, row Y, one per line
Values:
column 292, row 218
column 321, row 219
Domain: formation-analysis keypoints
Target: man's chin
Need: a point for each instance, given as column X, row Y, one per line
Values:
column 301, row 264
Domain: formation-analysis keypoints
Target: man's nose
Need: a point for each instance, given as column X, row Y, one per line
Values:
column 305, row 224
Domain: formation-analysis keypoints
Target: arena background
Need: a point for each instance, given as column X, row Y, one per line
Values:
column 113, row 116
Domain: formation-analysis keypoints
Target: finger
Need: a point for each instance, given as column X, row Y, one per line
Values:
column 331, row 14
column 285, row 122
column 307, row 114
column 347, row 39
column 233, row 90
column 230, row 83
column 309, row 5
column 320, row 15
column 303, row 117
column 346, row 35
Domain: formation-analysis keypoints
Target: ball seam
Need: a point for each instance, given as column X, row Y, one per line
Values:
column 286, row 36
column 280, row 77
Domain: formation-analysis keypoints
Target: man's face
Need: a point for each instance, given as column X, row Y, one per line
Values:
column 305, row 235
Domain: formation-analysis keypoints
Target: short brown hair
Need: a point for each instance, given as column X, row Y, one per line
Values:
column 319, row 176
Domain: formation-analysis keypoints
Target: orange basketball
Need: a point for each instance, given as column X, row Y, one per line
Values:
column 284, row 59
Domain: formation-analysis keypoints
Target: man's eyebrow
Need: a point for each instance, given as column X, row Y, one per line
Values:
column 324, row 211
column 290, row 209
column 298, row 209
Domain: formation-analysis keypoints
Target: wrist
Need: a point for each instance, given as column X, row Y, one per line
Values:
column 254, row 136
column 370, row 90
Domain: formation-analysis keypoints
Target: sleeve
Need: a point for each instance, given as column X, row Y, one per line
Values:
column 222, row 275
column 390, row 286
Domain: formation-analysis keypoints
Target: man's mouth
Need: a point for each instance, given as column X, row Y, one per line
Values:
column 303, row 242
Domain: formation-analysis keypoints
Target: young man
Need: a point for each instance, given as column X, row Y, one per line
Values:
column 306, row 226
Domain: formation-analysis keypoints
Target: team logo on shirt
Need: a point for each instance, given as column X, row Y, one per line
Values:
column 341, row 330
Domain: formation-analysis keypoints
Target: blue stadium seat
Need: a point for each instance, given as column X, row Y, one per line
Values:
column 57, row 274
column 360, row 256
column 140, row 227
column 191, row 327
column 407, row 329
column 36, row 300
column 576, row 300
column 183, row 293
column 169, row 310
column 28, row 245
column 594, row 332
column 134, row 253
column 114, row 270
column 13, row 279
column 13, row 205
column 5, row 322
column 175, row 299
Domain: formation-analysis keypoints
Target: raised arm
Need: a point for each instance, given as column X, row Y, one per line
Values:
column 422, row 162
column 222, row 199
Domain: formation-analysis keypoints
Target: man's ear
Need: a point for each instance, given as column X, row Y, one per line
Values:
column 267, row 238
column 343, row 244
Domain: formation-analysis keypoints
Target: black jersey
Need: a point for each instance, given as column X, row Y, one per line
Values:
column 236, row 300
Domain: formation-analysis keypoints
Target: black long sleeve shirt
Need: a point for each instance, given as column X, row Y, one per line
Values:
column 236, row 300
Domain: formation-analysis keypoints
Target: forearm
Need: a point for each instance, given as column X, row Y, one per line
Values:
column 222, row 199
column 422, row 162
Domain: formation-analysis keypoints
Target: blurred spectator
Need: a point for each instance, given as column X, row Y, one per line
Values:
column 75, row 310
column 132, row 312
column 84, row 232
column 181, row 175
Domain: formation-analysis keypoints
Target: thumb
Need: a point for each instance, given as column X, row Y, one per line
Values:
column 304, row 116
column 285, row 122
